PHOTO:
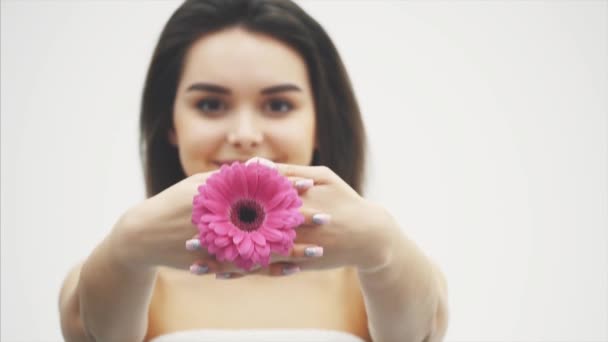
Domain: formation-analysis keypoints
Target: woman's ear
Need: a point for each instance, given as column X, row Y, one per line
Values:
column 172, row 137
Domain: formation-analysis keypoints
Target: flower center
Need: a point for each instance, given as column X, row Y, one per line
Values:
column 247, row 214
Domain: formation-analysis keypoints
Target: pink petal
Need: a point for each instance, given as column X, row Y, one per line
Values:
column 219, row 185
column 276, row 200
column 210, row 238
column 271, row 234
column 215, row 194
column 266, row 190
column 221, row 228
column 238, row 236
column 212, row 218
column 258, row 238
column 231, row 252
column 274, row 221
column 245, row 247
column 212, row 249
column 252, row 179
column 217, row 207
column 263, row 251
column 241, row 179
column 222, row 241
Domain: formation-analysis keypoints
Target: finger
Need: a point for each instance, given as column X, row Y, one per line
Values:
column 281, row 269
column 193, row 244
column 319, row 174
column 301, row 184
column 300, row 251
column 314, row 217
column 228, row 275
column 265, row 162
column 211, row 266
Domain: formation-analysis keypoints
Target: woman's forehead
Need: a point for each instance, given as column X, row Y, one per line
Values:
column 235, row 56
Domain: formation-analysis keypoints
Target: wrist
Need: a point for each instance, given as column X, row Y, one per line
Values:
column 378, row 248
column 124, row 245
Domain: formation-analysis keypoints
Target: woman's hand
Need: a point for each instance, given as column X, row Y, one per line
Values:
column 352, row 230
column 153, row 233
column 159, row 232
column 347, row 229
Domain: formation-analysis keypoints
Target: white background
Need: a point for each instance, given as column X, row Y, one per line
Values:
column 488, row 137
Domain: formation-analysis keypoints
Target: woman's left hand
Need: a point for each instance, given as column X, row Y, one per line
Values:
column 352, row 230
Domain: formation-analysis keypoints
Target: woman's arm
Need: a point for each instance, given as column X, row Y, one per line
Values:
column 69, row 309
column 406, row 298
column 114, row 297
column 105, row 300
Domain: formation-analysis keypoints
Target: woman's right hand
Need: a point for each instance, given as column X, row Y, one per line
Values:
column 154, row 233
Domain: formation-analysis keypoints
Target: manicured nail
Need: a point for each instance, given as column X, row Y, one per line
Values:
column 193, row 244
column 313, row 251
column 304, row 184
column 198, row 269
column 291, row 269
column 265, row 162
column 223, row 275
column 321, row 218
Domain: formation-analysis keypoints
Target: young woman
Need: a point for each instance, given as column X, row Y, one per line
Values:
column 231, row 80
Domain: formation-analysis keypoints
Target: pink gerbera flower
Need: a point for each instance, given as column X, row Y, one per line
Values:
column 245, row 212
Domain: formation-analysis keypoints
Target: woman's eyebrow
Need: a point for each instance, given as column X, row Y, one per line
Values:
column 214, row 88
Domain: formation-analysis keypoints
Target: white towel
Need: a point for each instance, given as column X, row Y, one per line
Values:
column 258, row 335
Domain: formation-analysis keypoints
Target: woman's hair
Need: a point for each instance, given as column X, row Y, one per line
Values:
column 340, row 133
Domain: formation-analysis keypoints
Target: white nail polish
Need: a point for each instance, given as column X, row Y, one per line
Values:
column 198, row 269
column 304, row 183
column 193, row 244
column 321, row 218
column 291, row 270
column 313, row 251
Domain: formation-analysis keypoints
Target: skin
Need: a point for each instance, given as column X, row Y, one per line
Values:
column 135, row 284
column 212, row 126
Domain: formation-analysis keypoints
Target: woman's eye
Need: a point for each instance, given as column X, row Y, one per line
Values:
column 211, row 106
column 279, row 106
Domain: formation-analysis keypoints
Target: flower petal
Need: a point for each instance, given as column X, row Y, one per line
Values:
column 241, row 179
column 271, row 234
column 212, row 218
column 258, row 238
column 231, row 252
column 252, row 179
column 216, row 207
column 245, row 247
column 222, row 241
column 221, row 228
column 238, row 236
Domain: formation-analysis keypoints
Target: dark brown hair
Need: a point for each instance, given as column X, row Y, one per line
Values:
column 340, row 132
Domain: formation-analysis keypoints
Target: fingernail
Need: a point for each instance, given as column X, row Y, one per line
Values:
column 198, row 269
column 291, row 269
column 303, row 184
column 223, row 275
column 265, row 162
column 193, row 244
column 321, row 218
column 313, row 251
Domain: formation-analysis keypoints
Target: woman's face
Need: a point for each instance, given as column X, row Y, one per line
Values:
column 242, row 95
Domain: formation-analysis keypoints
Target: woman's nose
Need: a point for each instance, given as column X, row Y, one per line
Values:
column 244, row 134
